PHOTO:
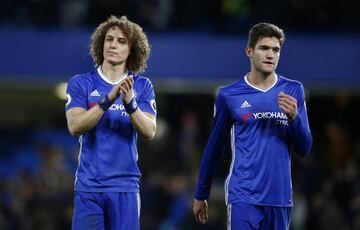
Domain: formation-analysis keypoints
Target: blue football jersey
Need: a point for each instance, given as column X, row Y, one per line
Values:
column 108, row 153
column 261, row 138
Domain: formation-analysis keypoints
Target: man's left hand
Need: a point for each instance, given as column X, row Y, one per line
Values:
column 127, row 89
column 288, row 104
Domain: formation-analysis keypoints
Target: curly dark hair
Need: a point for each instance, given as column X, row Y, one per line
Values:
column 138, row 41
column 264, row 30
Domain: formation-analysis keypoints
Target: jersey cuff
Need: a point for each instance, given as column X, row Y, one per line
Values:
column 201, row 195
column 296, row 122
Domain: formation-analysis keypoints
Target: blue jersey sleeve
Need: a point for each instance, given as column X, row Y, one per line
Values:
column 147, row 99
column 75, row 93
column 301, row 137
column 214, row 148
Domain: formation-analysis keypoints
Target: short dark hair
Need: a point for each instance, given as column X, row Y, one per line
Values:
column 264, row 30
column 139, row 45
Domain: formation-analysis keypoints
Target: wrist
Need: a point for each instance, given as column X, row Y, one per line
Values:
column 292, row 119
column 132, row 106
column 105, row 103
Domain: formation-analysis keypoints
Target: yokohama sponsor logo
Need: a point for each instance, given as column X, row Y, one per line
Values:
column 117, row 107
column 112, row 107
column 270, row 115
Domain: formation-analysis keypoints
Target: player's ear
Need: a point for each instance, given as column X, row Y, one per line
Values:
column 248, row 51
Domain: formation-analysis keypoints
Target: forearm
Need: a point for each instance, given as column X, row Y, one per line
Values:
column 209, row 163
column 301, row 137
column 144, row 123
column 210, row 160
column 203, row 186
column 80, row 120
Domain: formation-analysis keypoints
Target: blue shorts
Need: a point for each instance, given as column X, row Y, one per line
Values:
column 243, row 216
column 109, row 210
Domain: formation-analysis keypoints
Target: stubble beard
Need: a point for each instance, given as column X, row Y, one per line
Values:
column 262, row 72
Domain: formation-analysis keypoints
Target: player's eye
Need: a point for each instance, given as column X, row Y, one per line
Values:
column 122, row 41
column 264, row 48
column 276, row 50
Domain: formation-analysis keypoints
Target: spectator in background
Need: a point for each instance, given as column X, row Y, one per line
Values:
column 107, row 108
column 265, row 115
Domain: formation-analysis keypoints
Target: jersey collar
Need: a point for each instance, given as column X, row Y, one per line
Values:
column 106, row 79
column 257, row 88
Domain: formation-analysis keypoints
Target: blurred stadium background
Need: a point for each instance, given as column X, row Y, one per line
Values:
column 196, row 46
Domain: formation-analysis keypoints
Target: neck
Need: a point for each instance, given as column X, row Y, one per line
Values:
column 260, row 80
column 113, row 72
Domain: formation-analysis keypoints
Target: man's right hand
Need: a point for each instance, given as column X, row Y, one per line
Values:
column 200, row 208
column 115, row 92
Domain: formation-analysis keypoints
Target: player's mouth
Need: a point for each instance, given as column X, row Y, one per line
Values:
column 268, row 63
column 110, row 52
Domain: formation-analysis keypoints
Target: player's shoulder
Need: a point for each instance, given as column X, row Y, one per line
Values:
column 84, row 77
column 292, row 87
column 139, row 77
column 231, row 88
column 289, row 81
column 142, row 80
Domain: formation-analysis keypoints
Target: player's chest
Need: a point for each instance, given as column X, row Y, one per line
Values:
column 257, row 108
column 116, row 110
